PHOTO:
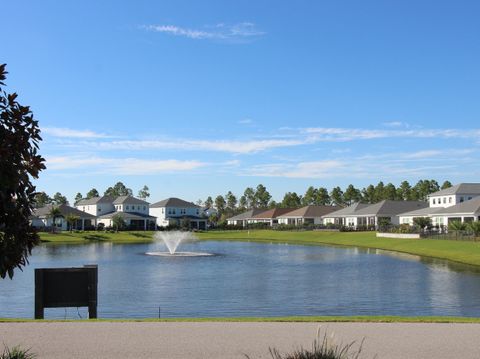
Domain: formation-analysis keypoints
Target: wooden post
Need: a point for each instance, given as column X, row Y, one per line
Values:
column 39, row 312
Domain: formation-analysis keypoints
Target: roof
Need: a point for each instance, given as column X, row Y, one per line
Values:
column 187, row 217
column 272, row 213
column 246, row 215
column 347, row 211
column 129, row 200
column 423, row 212
column 65, row 210
column 95, row 200
column 311, row 211
column 390, row 208
column 461, row 188
column 174, row 202
column 128, row 215
column 471, row 206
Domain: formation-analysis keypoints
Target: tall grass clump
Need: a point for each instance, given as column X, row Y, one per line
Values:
column 322, row 348
column 16, row 353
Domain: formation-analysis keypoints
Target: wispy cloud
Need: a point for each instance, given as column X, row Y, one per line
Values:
column 124, row 166
column 243, row 31
column 228, row 146
column 245, row 121
column 71, row 133
column 350, row 134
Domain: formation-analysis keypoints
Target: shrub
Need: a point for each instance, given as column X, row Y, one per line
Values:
column 16, row 353
column 321, row 349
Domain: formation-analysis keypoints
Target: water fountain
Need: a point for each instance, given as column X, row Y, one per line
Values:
column 172, row 241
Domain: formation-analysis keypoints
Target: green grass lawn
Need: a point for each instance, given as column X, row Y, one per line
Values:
column 92, row 236
column 306, row 319
column 457, row 251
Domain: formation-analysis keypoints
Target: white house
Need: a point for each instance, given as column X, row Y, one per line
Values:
column 447, row 205
column 172, row 211
column 41, row 218
column 306, row 215
column 454, row 195
column 345, row 216
column 97, row 206
column 361, row 214
column 242, row 218
column 134, row 211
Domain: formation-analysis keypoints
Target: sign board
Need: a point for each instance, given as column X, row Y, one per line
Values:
column 66, row 287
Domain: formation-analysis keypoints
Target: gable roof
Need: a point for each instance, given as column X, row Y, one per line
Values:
column 246, row 215
column 471, row 206
column 461, row 188
column 95, row 200
column 65, row 210
column 129, row 200
column 347, row 211
column 390, row 208
column 423, row 212
column 273, row 213
column 311, row 211
column 174, row 202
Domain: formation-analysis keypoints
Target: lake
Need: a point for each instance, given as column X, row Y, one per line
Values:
column 252, row 279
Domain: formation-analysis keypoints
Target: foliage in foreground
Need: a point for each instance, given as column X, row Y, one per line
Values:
column 19, row 163
column 16, row 353
column 322, row 348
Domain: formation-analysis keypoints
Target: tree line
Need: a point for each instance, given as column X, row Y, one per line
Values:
column 259, row 197
column 118, row 189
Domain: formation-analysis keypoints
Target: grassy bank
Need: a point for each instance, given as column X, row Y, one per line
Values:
column 307, row 319
column 457, row 251
column 92, row 236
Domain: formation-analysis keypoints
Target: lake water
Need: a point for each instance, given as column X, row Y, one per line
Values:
column 252, row 279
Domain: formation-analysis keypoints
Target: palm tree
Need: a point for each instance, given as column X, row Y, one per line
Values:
column 54, row 214
column 475, row 228
column 456, row 227
column 118, row 221
column 71, row 220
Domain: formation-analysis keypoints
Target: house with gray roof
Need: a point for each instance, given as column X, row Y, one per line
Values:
column 467, row 211
column 454, row 203
column 242, row 218
column 454, row 195
column 372, row 215
column 345, row 216
column 176, row 211
column 134, row 211
column 306, row 215
column 41, row 218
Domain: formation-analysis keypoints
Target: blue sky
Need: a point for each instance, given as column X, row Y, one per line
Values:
column 195, row 98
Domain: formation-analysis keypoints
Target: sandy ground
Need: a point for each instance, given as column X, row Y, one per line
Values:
column 234, row 340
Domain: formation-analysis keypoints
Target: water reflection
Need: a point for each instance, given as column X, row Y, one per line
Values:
column 254, row 279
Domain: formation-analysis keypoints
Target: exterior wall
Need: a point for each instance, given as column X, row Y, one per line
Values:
column 163, row 212
column 132, row 208
column 451, row 200
column 463, row 217
column 98, row 209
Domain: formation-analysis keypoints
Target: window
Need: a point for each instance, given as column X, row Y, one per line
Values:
column 197, row 211
column 127, row 208
column 144, row 208
column 469, row 198
column 434, row 201
column 163, row 210
column 99, row 209
column 174, row 211
column 461, row 199
column 444, row 199
column 449, row 199
column 169, row 211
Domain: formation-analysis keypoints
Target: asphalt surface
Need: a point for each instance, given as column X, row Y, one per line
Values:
column 235, row 340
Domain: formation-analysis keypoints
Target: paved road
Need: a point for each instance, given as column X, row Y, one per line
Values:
column 234, row 340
